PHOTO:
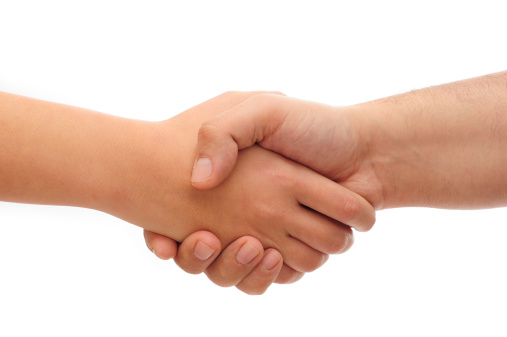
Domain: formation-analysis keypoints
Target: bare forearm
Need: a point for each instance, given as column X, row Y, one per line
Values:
column 57, row 154
column 443, row 146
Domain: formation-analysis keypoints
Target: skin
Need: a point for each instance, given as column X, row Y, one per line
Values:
column 223, row 268
column 139, row 172
column 443, row 146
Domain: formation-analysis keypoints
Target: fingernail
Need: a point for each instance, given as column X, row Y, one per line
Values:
column 271, row 260
column 247, row 253
column 202, row 251
column 202, row 170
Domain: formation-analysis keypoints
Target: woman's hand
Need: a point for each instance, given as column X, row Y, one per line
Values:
column 211, row 108
column 267, row 196
column 140, row 172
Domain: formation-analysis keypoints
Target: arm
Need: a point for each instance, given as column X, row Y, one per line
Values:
column 137, row 171
column 443, row 146
column 59, row 155
column 56, row 154
column 44, row 149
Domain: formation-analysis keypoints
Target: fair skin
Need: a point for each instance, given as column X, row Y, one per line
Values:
column 443, row 146
column 139, row 171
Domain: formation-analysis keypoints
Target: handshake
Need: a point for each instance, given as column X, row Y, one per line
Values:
column 280, row 217
column 277, row 182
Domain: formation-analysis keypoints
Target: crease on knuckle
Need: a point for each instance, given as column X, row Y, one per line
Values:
column 189, row 267
column 336, row 245
column 253, row 290
column 232, row 94
column 341, row 242
column 369, row 224
column 208, row 131
column 314, row 263
column 350, row 209
column 222, row 278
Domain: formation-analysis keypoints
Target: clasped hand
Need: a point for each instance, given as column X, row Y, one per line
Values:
column 257, row 200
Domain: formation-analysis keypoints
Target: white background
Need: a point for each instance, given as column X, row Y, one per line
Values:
column 76, row 272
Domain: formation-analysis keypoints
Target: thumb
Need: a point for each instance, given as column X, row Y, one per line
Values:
column 216, row 156
column 220, row 138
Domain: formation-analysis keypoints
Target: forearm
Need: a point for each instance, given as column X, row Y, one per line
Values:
column 443, row 146
column 60, row 155
column 54, row 154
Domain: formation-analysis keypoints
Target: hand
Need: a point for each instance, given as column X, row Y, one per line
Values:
column 153, row 199
column 441, row 146
column 318, row 136
column 83, row 158
column 254, row 282
column 225, row 269
column 136, row 171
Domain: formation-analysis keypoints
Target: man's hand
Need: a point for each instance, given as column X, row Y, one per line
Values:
column 200, row 252
column 318, row 136
column 442, row 146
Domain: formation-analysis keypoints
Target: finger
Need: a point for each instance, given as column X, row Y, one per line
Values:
column 197, row 252
column 301, row 257
column 263, row 275
column 236, row 262
column 288, row 275
column 320, row 232
column 335, row 201
column 162, row 246
column 210, row 108
column 239, row 127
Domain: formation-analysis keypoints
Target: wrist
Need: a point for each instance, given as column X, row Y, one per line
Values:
column 119, row 147
column 148, row 176
column 441, row 146
column 390, row 150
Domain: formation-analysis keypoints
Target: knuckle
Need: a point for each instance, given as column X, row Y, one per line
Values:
column 271, row 211
column 231, row 94
column 350, row 209
column 193, row 270
column 369, row 223
column 221, row 278
column 243, row 95
column 341, row 242
column 262, row 99
column 208, row 131
column 256, row 291
column 311, row 267
column 253, row 289
column 283, row 174
column 337, row 245
column 289, row 276
column 276, row 92
column 259, row 100
column 348, row 244
column 188, row 267
column 314, row 263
